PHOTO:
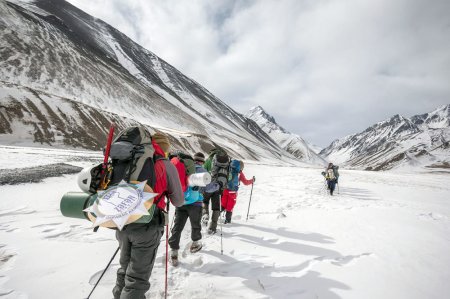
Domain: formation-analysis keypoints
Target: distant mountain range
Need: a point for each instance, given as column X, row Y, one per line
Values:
column 420, row 141
column 292, row 143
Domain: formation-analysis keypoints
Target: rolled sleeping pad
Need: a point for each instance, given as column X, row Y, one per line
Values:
column 73, row 203
column 199, row 179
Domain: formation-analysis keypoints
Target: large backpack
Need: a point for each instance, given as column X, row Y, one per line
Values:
column 212, row 153
column 132, row 159
column 233, row 181
column 330, row 174
column 220, row 168
column 188, row 163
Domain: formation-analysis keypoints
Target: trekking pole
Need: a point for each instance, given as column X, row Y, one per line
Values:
column 167, row 249
column 250, row 198
column 107, row 266
column 338, row 188
column 221, row 234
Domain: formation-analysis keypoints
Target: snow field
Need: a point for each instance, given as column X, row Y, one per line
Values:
column 385, row 235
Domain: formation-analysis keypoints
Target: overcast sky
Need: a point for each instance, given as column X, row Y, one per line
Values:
column 323, row 68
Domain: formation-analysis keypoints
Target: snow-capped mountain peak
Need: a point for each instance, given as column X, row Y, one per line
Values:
column 437, row 119
column 398, row 141
column 292, row 143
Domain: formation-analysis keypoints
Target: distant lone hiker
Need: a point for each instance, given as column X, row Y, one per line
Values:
column 332, row 176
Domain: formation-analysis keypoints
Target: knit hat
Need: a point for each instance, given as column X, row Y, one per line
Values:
column 199, row 157
column 162, row 140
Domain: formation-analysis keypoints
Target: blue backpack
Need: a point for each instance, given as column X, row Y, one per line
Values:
column 194, row 194
column 235, row 169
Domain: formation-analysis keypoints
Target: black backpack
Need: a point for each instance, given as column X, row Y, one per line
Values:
column 218, row 164
column 132, row 157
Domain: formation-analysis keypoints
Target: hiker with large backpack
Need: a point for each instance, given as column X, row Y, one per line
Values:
column 192, row 208
column 139, row 241
column 230, row 193
column 332, row 177
column 218, row 165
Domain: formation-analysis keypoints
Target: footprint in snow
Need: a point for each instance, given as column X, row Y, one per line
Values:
column 108, row 278
column 302, row 269
column 431, row 216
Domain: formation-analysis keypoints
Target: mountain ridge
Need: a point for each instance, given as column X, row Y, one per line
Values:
column 421, row 140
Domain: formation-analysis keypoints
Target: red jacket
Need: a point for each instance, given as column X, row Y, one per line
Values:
column 167, row 182
column 244, row 180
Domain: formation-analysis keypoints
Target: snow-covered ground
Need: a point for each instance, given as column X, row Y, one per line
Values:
column 384, row 235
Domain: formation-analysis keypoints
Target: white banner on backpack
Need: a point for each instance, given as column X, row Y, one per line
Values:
column 120, row 202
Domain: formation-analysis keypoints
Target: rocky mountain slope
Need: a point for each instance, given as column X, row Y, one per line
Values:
column 292, row 143
column 422, row 140
column 64, row 75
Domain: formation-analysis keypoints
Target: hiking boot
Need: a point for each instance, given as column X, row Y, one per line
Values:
column 174, row 257
column 174, row 261
column 211, row 231
column 196, row 246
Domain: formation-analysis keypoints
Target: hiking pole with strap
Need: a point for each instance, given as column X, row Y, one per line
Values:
column 167, row 248
column 250, row 198
column 107, row 266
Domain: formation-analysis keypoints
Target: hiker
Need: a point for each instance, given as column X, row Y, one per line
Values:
column 191, row 209
column 217, row 164
column 139, row 242
column 229, row 195
column 332, row 176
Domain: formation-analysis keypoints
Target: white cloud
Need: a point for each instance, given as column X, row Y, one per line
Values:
column 323, row 68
